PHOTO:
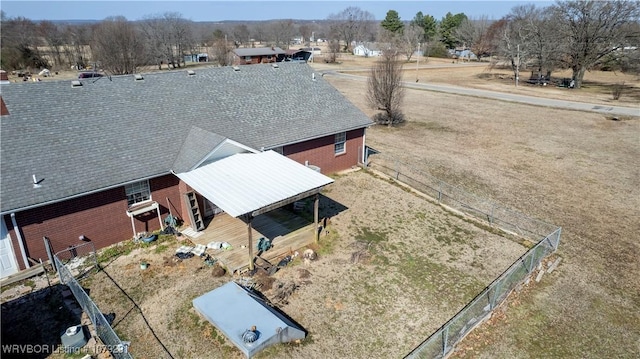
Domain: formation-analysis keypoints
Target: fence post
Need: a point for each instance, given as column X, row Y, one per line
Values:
column 445, row 338
column 47, row 246
column 556, row 234
column 439, row 191
column 531, row 258
column 496, row 292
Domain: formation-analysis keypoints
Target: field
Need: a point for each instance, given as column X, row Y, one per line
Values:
column 575, row 169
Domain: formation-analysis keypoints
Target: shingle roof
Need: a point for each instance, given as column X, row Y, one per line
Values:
column 107, row 133
column 198, row 144
column 258, row 51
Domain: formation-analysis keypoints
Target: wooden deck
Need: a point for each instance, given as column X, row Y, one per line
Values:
column 287, row 231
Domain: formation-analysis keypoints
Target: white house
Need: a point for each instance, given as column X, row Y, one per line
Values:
column 366, row 51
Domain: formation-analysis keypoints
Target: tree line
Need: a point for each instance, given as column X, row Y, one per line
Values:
column 574, row 34
column 577, row 34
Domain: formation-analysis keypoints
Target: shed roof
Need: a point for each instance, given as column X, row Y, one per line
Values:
column 113, row 131
column 234, row 309
column 254, row 183
column 258, row 51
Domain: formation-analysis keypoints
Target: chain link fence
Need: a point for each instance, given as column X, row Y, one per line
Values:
column 75, row 260
column 458, row 199
column 441, row 343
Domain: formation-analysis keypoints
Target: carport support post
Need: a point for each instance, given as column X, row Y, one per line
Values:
column 316, row 205
column 249, row 218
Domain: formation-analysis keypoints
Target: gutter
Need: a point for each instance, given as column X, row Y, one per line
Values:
column 20, row 241
column 53, row 201
column 320, row 136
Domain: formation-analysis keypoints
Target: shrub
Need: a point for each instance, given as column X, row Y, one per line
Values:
column 617, row 90
column 438, row 49
column 383, row 118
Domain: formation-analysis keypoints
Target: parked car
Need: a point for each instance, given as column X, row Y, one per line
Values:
column 86, row 75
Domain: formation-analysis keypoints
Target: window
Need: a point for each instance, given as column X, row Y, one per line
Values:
column 137, row 192
column 339, row 145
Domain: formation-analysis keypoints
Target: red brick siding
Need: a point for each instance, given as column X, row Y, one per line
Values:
column 320, row 152
column 100, row 217
column 261, row 59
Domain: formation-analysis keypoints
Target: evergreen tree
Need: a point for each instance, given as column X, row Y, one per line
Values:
column 392, row 22
column 428, row 23
column 448, row 27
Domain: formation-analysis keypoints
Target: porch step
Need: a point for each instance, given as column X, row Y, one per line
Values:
column 189, row 232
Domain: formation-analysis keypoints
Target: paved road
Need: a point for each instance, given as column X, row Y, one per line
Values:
column 503, row 96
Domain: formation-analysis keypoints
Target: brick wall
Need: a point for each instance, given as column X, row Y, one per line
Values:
column 100, row 217
column 320, row 152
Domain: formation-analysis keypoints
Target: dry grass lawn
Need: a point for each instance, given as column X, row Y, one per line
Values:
column 416, row 266
column 574, row 169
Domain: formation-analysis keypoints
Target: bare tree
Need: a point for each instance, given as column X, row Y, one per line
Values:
column 306, row 31
column 474, row 34
column 167, row 37
column 592, row 30
column 334, row 49
column 54, row 38
column 118, row 46
column 281, row 32
column 351, row 24
column 77, row 39
column 543, row 41
column 384, row 89
column 20, row 44
column 411, row 36
column 241, row 35
column 221, row 48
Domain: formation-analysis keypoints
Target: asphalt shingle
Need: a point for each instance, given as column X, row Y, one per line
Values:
column 113, row 131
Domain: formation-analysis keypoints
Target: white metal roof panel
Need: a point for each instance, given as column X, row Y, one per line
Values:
column 246, row 182
column 233, row 310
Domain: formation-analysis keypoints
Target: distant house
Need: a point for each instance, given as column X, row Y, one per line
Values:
column 366, row 51
column 202, row 57
column 257, row 55
column 315, row 51
column 297, row 55
column 103, row 160
column 463, row 54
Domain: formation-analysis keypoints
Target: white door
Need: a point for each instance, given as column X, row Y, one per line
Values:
column 8, row 263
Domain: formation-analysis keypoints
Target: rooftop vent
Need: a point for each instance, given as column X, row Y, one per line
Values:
column 236, row 68
column 191, row 73
column 76, row 83
column 275, row 66
column 138, row 77
column 36, row 183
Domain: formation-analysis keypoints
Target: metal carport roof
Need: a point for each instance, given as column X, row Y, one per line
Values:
column 254, row 183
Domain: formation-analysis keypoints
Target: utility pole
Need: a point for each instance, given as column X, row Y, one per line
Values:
column 518, row 65
column 418, row 61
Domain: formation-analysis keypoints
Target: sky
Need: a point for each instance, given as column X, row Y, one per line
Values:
column 209, row 10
